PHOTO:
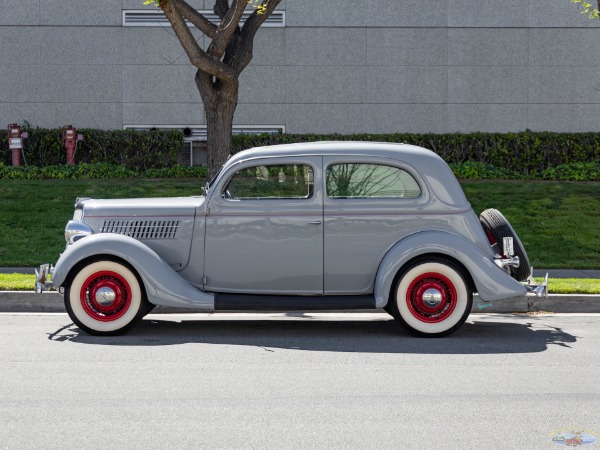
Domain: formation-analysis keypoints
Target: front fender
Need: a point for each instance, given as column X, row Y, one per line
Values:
column 163, row 285
column 491, row 282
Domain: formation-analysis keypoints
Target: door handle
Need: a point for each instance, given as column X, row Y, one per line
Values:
column 315, row 222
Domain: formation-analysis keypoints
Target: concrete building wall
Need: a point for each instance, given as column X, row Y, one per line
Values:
column 339, row 66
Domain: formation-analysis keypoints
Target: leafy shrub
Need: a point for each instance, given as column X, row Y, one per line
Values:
column 573, row 172
column 521, row 155
column 481, row 171
column 137, row 150
column 128, row 153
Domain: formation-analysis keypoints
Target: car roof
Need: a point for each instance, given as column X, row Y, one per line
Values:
column 430, row 166
column 383, row 149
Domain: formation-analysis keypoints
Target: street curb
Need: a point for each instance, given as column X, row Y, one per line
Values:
column 28, row 301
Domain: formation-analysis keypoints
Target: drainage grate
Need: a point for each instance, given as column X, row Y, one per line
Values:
column 156, row 18
column 142, row 229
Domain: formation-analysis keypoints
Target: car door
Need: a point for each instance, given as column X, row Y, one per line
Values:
column 370, row 203
column 264, row 228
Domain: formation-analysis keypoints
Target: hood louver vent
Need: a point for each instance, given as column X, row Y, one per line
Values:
column 142, row 229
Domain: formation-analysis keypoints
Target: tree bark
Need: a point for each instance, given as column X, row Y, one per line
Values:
column 219, row 67
column 220, row 101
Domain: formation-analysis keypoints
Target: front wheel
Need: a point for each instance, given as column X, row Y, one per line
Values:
column 105, row 298
column 432, row 298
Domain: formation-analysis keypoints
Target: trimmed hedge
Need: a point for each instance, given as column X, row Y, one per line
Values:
column 465, row 171
column 127, row 153
column 527, row 153
column 97, row 170
column 136, row 150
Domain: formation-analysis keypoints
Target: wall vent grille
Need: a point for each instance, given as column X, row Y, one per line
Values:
column 198, row 132
column 142, row 229
column 156, row 18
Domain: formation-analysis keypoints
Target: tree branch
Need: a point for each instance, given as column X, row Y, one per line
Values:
column 229, row 25
column 255, row 20
column 197, row 19
column 196, row 55
column 221, row 8
column 239, row 55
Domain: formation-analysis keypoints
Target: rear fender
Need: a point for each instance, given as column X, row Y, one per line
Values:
column 491, row 282
column 163, row 285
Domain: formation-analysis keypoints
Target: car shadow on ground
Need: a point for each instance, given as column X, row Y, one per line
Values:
column 368, row 336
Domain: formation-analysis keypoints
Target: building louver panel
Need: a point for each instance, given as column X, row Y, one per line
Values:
column 156, row 18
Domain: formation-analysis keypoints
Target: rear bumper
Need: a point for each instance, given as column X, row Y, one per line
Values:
column 534, row 289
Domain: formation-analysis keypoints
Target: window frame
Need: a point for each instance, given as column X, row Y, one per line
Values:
column 387, row 163
column 227, row 182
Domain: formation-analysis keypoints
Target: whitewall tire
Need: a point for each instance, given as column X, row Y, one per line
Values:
column 105, row 298
column 432, row 298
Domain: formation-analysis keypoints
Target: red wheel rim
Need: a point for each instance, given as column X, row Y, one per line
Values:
column 105, row 281
column 432, row 284
column 490, row 236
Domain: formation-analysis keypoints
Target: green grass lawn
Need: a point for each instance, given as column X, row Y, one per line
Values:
column 558, row 222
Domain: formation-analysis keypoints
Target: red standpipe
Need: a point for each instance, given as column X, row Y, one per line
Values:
column 69, row 137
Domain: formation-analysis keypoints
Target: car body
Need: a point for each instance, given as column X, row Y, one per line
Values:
column 324, row 225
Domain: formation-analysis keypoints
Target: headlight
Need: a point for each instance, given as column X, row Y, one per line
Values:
column 78, row 215
column 75, row 231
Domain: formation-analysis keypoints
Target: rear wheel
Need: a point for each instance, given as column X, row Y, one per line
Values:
column 497, row 227
column 105, row 298
column 431, row 298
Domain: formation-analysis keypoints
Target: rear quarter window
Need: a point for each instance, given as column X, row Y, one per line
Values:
column 363, row 180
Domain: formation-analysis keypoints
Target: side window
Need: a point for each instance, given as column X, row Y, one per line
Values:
column 361, row 180
column 271, row 182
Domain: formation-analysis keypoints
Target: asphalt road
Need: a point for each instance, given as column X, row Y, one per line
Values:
column 298, row 381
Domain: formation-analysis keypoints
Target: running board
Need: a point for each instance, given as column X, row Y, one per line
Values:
column 251, row 302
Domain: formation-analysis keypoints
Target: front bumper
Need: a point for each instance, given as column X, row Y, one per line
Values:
column 43, row 277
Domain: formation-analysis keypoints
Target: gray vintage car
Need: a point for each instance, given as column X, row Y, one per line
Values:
column 314, row 226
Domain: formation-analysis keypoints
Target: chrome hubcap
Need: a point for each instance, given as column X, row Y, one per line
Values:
column 432, row 298
column 105, row 296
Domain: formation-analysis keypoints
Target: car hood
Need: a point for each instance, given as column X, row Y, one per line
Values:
column 165, row 225
column 141, row 207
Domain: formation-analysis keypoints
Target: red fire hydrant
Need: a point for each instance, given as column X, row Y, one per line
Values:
column 15, row 143
column 69, row 138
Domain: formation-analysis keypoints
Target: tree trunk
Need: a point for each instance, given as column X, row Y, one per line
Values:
column 220, row 101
